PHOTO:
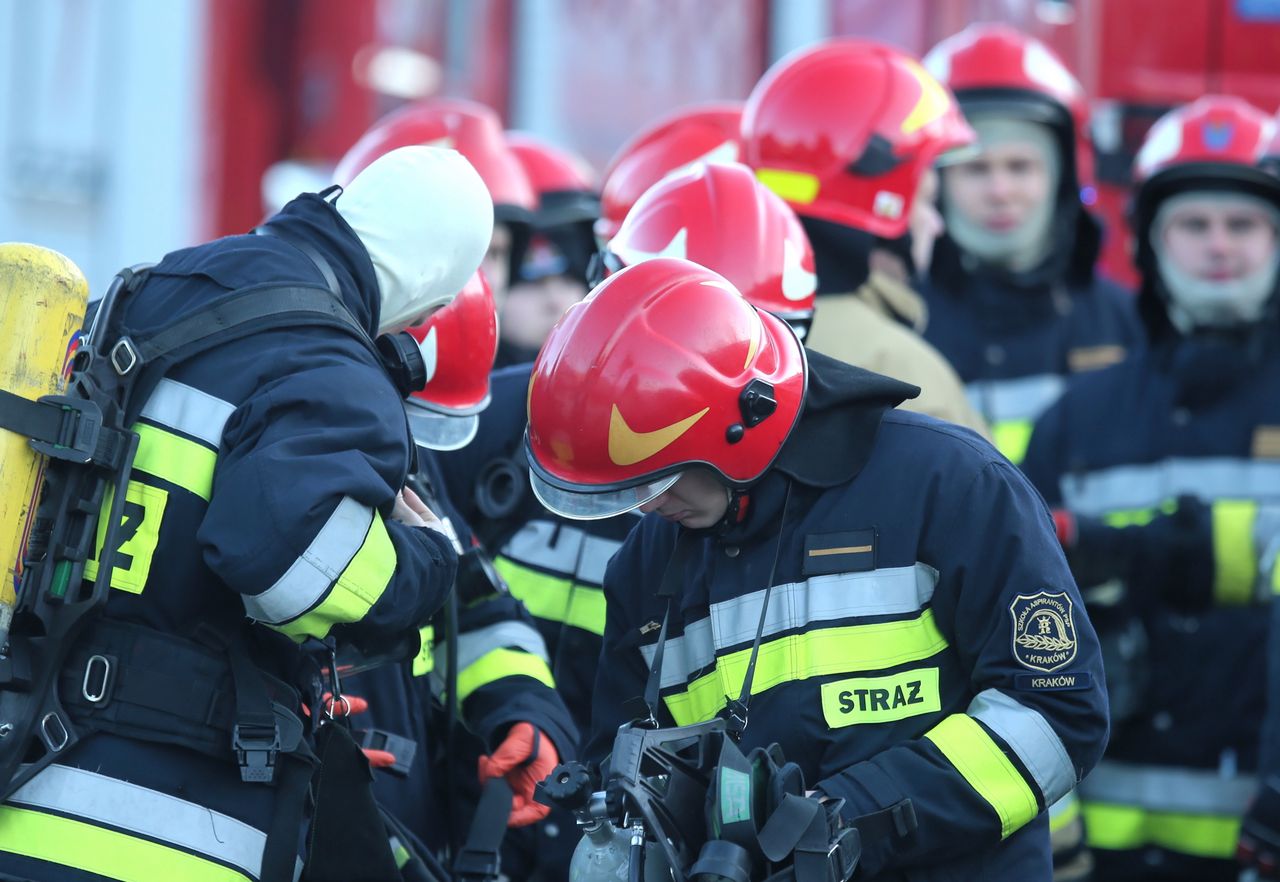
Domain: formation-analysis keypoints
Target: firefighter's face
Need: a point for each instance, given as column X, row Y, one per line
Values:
column 532, row 308
column 697, row 501
column 1002, row 187
column 497, row 261
column 1219, row 240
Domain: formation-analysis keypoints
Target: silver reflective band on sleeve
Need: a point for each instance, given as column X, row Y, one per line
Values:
column 889, row 591
column 188, row 410
column 1148, row 485
column 1169, row 789
column 562, row 550
column 1032, row 739
column 1025, row 398
column 307, row 579
column 79, row 793
column 474, row 645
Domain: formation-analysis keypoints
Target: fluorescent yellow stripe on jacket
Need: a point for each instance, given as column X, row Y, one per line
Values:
column 1127, row 827
column 1012, row 438
column 104, row 852
column 1235, row 559
column 175, row 459
column 500, row 663
column 356, row 589
column 982, row 763
column 553, row 598
column 840, row 650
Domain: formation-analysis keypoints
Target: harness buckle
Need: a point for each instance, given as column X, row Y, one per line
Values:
column 78, row 431
column 124, row 357
column 257, row 748
column 95, row 686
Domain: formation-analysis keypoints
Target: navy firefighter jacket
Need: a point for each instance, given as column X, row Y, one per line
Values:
column 924, row 637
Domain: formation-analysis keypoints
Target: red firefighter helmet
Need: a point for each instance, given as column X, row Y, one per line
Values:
column 564, row 182
column 470, row 128
column 663, row 367
column 723, row 218
column 1219, row 142
column 996, row 69
column 700, row 133
column 458, row 344
column 844, row 131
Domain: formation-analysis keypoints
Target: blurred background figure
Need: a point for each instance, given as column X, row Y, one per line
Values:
column 1014, row 300
column 552, row 275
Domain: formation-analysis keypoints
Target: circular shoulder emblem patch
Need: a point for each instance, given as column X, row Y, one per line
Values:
column 1044, row 632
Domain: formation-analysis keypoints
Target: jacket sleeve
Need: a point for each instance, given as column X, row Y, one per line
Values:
column 1037, row 721
column 298, row 521
column 504, row 674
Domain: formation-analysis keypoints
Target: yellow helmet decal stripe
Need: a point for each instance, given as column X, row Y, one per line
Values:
column 933, row 102
column 798, row 187
column 628, row 447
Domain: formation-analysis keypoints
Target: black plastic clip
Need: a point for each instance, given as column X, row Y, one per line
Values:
column 257, row 748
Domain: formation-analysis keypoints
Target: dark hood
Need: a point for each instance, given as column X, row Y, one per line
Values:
column 843, row 407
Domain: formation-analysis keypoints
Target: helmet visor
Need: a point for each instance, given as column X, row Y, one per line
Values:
column 587, row 506
column 438, row 431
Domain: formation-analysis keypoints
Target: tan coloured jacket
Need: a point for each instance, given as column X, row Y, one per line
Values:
column 872, row 328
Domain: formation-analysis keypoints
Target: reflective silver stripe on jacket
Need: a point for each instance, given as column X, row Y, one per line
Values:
column 561, row 549
column 1024, row 398
column 188, row 410
column 1148, row 485
column 1032, row 739
column 309, row 577
column 474, row 645
column 1169, row 789
column 145, row 812
column 795, row 605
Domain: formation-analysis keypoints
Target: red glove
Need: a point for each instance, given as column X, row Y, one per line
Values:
column 524, row 758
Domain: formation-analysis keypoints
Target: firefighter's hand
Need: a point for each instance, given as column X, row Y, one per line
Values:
column 411, row 510
column 1259, row 847
column 526, row 757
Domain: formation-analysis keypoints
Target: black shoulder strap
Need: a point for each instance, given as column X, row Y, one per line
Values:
column 480, row 858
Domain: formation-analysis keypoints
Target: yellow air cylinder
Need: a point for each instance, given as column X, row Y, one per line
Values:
column 43, row 296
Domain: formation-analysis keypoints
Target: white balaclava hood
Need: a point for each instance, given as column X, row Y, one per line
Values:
column 1026, row 245
column 425, row 218
column 1205, row 303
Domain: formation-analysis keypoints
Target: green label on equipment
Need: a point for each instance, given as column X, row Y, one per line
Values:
column 735, row 795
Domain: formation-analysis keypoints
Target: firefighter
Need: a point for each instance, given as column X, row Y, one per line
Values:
column 1014, row 301
column 722, row 217
column 1165, row 470
column 909, row 650
column 474, row 131
column 551, row 276
column 848, row 132
column 263, row 510
column 503, row 681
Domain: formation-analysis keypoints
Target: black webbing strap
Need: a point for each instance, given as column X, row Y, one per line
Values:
column 284, row 304
column 480, row 858
column 37, row 420
column 671, row 577
column 735, row 712
column 63, row 427
column 255, row 736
